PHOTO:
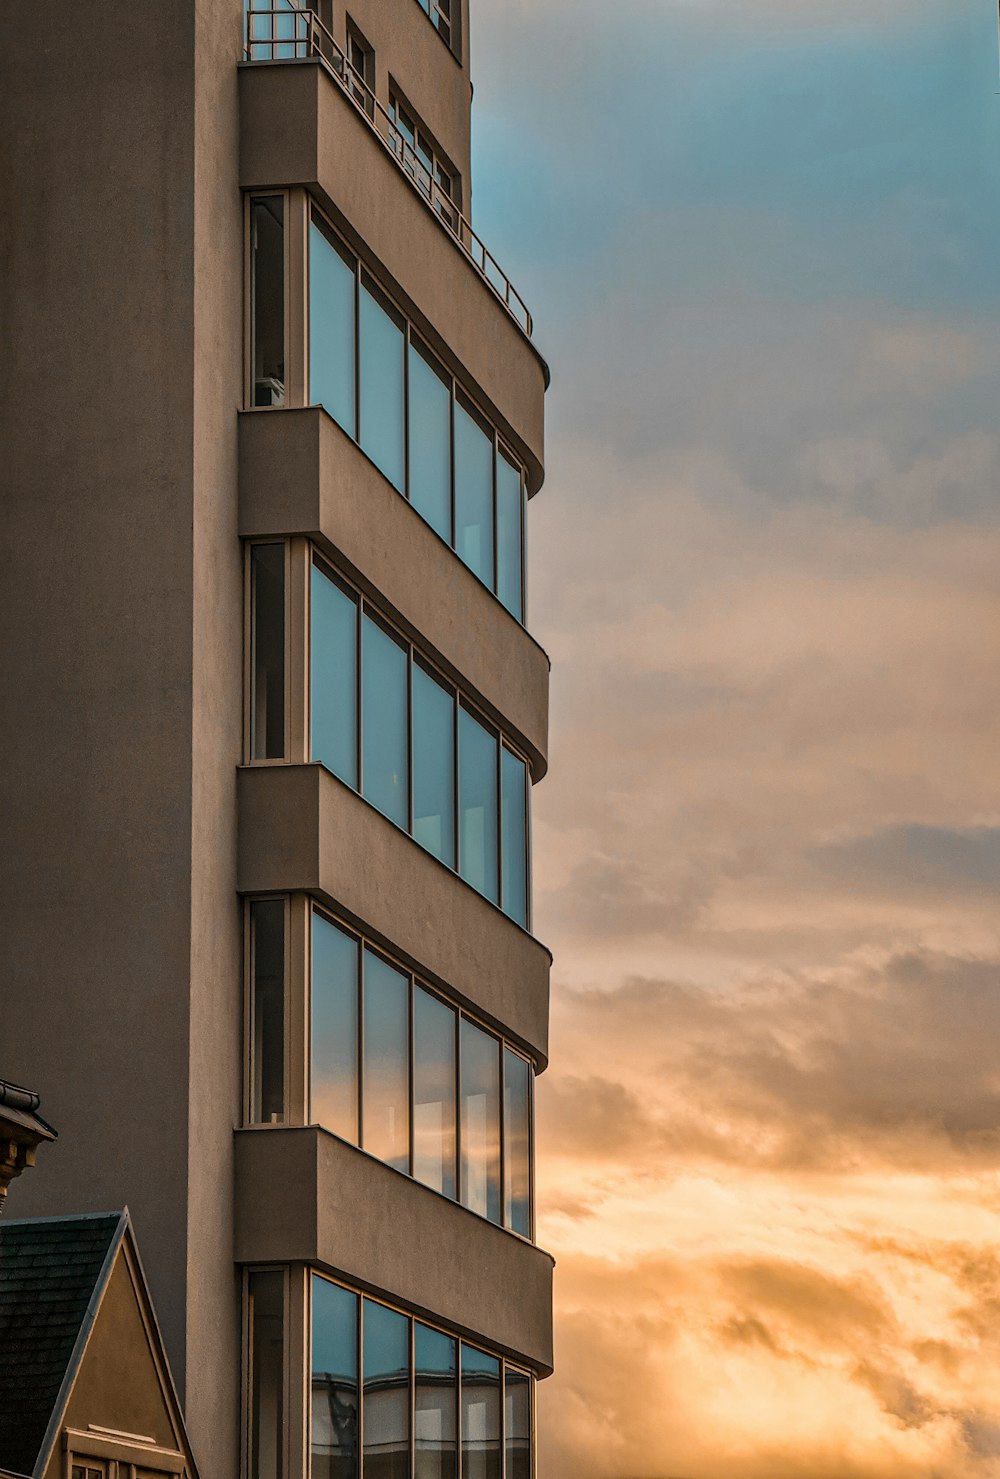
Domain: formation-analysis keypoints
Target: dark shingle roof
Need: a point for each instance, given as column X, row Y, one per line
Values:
column 52, row 1270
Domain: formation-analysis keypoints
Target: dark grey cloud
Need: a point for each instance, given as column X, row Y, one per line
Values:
column 936, row 859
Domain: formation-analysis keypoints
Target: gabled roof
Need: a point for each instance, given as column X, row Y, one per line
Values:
column 53, row 1271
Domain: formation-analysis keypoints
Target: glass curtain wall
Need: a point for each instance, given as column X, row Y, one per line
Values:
column 399, row 1071
column 387, row 727
column 388, row 392
column 425, row 1397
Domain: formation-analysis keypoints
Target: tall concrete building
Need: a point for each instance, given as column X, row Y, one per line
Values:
column 272, row 716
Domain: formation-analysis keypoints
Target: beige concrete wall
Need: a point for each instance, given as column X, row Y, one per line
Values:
column 121, row 643
column 299, row 128
column 302, row 1195
column 302, row 830
column 301, row 474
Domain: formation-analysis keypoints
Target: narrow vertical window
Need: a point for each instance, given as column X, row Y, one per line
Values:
column 477, row 773
column 514, row 835
column 517, row 1143
column 267, row 986
column 334, row 1078
column 517, row 1423
column 435, row 1415
column 433, row 1092
column 382, row 368
column 433, row 765
column 386, row 1393
column 510, row 502
column 385, row 1077
column 430, row 441
column 334, row 1412
column 266, row 1296
column 385, row 770
column 481, row 1458
column 480, row 1139
column 267, row 300
column 474, row 494
column 331, row 329
column 267, row 651
column 334, row 677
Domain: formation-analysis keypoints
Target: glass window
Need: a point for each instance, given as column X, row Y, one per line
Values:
column 517, row 1423
column 436, row 1401
column 267, row 651
column 430, row 442
column 433, row 1092
column 480, row 1090
column 267, row 971
column 267, row 300
column 433, row 766
column 517, row 1143
column 384, row 723
column 334, row 1101
column 509, row 526
column 386, row 1393
column 385, row 1079
column 266, row 1296
column 480, row 1415
column 514, row 796
column 474, row 495
column 334, row 1428
column 477, row 848
column 382, row 343
column 331, row 329
column 334, row 683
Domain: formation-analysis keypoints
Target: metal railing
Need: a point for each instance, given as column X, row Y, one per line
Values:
column 288, row 34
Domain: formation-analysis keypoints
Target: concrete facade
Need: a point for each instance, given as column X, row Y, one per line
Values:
column 134, row 832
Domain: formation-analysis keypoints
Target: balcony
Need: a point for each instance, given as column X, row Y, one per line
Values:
column 288, row 35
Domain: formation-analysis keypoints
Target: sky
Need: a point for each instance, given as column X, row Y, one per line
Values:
column 761, row 240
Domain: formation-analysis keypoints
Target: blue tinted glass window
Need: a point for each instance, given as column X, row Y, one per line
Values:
column 430, row 444
column 509, row 525
column 473, row 495
column 386, row 1078
column 384, row 722
column 433, row 766
column 481, row 1457
column 517, row 1143
column 517, row 1423
column 477, row 760
column 335, row 959
column 434, row 1080
column 334, row 1425
column 479, row 1074
column 334, row 677
column 435, row 1416
column 331, row 330
column 514, row 837
column 382, row 342
column 387, row 1393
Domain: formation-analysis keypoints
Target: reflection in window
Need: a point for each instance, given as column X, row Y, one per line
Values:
column 267, row 300
column 386, row 1393
column 381, row 340
column 514, row 819
column 435, row 1415
column 517, row 1423
column 334, row 677
column 267, row 651
column 473, row 495
column 517, row 1143
column 430, row 442
column 267, row 981
column 384, row 722
column 334, row 1101
column 477, row 782
column 433, row 1092
column 480, row 1128
column 334, row 1426
column 481, row 1457
column 509, row 563
column 433, row 766
column 331, row 328
column 266, row 1297
column 385, row 1077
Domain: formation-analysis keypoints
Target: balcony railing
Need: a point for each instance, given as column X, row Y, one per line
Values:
column 290, row 34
